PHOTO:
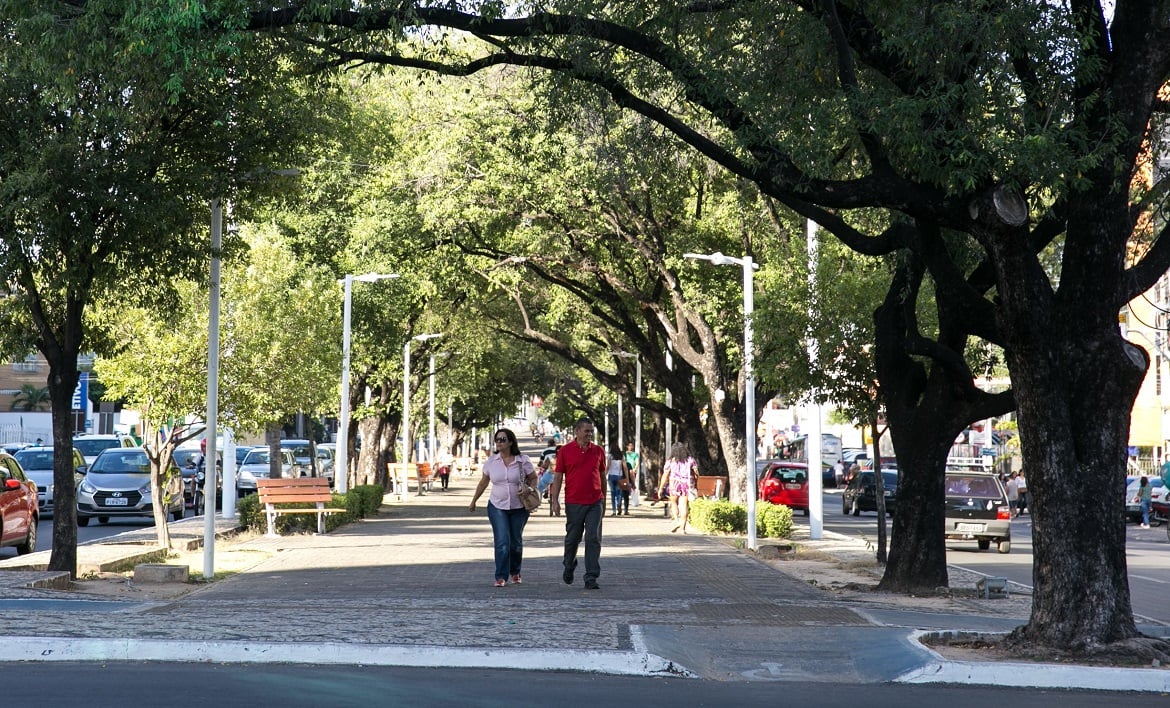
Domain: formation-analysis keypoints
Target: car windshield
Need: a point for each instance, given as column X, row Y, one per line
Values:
column 184, row 458
column 299, row 450
column 121, row 463
column 256, row 457
column 40, row 460
column 962, row 485
column 90, row 448
column 787, row 474
column 241, row 453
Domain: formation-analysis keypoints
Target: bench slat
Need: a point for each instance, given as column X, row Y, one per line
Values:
column 297, row 490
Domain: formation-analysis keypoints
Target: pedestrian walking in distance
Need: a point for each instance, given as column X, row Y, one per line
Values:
column 581, row 470
column 505, row 470
column 618, row 476
column 680, row 482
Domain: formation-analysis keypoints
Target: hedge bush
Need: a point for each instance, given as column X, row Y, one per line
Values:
column 722, row 516
column 773, row 521
column 358, row 503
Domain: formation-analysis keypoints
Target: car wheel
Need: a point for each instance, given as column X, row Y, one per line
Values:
column 30, row 541
column 198, row 506
column 103, row 519
column 1004, row 547
column 83, row 521
column 806, row 511
column 984, row 543
column 844, row 506
column 856, row 510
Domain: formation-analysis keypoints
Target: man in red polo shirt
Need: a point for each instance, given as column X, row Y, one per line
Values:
column 580, row 466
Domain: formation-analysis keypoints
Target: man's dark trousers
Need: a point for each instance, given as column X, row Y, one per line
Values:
column 584, row 520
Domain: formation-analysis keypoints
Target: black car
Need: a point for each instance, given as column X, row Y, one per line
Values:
column 859, row 494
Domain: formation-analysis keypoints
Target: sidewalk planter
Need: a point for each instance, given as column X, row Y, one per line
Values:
column 359, row 502
column 721, row 516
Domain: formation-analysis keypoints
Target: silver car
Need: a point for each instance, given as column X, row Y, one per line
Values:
column 37, row 462
column 118, row 484
column 255, row 466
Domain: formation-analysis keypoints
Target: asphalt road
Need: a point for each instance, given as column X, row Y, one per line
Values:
column 89, row 533
column 113, row 685
column 1147, row 553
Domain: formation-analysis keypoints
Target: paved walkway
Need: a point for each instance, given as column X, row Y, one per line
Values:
column 414, row 586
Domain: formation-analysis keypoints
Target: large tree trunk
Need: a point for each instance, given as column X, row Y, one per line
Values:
column 1076, row 380
column 927, row 406
column 63, row 378
column 378, row 449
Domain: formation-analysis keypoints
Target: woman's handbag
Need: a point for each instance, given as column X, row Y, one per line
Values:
column 529, row 496
column 624, row 483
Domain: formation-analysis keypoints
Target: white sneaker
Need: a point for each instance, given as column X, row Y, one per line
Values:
column 1145, row 526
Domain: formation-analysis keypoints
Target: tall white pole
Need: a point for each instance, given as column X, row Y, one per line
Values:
column 749, row 384
column 212, row 391
column 431, row 446
column 406, row 403
column 816, row 510
column 621, row 433
column 341, row 467
column 669, row 400
column 229, row 475
column 638, row 423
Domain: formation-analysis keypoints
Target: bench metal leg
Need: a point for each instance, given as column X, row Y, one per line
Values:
column 270, row 513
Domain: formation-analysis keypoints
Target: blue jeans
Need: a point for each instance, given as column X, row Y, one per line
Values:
column 615, row 494
column 1145, row 512
column 583, row 520
column 508, row 533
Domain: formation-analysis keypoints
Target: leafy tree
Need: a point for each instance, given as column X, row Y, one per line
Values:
column 977, row 131
column 103, row 175
column 30, row 398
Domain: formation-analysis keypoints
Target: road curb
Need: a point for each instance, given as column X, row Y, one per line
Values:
column 1034, row 675
column 627, row 663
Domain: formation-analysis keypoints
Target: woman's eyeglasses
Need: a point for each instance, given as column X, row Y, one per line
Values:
column 502, row 440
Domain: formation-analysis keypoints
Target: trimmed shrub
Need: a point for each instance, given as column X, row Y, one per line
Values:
column 718, row 516
column 773, row 521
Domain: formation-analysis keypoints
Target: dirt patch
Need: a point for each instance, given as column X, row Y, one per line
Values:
column 1136, row 653
column 232, row 555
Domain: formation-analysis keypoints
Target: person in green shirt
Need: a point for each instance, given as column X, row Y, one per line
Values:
column 632, row 458
column 1144, row 496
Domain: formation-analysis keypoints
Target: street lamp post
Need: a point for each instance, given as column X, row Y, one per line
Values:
column 406, row 398
column 637, row 415
column 341, row 465
column 212, row 390
column 749, row 383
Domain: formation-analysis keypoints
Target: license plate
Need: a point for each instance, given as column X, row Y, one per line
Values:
column 970, row 528
column 117, row 501
column 792, row 486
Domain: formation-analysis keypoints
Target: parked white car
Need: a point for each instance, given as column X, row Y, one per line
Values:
column 256, row 466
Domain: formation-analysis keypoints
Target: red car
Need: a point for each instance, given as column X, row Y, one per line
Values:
column 19, row 514
column 785, row 483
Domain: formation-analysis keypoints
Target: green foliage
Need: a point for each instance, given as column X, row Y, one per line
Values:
column 718, row 516
column 773, row 521
column 358, row 503
column 723, row 516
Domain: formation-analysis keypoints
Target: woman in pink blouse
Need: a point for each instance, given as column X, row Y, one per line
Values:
column 505, row 470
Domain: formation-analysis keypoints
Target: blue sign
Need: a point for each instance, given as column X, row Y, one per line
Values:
column 81, row 393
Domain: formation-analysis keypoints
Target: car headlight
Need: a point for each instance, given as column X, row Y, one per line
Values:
column 87, row 487
column 145, row 490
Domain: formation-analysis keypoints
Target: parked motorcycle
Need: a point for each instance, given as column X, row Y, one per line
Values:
column 198, row 484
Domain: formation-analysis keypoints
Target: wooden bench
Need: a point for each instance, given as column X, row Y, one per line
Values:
column 312, row 490
column 402, row 474
column 711, row 486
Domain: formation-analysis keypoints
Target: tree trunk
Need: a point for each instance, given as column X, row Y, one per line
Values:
column 376, row 452
column 63, row 378
column 160, row 464
column 1076, row 380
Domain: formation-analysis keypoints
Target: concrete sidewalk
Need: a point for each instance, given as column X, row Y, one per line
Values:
column 414, row 587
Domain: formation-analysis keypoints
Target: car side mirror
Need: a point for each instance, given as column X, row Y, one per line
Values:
column 12, row 483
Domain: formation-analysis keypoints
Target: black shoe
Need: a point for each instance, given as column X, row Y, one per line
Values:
column 592, row 585
column 567, row 576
